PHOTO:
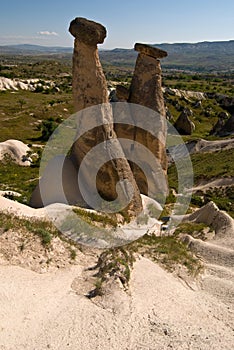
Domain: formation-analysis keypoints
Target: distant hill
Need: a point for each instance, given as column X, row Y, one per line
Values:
column 203, row 56
column 28, row 49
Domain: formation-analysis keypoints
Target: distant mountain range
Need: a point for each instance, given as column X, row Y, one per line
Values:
column 28, row 49
column 203, row 56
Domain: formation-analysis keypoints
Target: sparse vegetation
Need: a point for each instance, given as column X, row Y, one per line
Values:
column 20, row 179
column 207, row 167
column 196, row 230
column 47, row 128
column 220, row 164
column 25, row 123
column 113, row 263
column 92, row 217
column 168, row 251
column 45, row 230
column 223, row 197
column 73, row 254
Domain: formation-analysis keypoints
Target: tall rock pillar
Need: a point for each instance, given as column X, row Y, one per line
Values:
column 146, row 90
column 90, row 89
column 146, row 86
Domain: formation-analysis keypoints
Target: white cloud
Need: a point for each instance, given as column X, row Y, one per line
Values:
column 46, row 32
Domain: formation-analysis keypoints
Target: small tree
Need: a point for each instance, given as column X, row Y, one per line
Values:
column 21, row 103
column 47, row 128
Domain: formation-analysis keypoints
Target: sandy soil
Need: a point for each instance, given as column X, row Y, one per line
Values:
column 159, row 311
column 50, row 311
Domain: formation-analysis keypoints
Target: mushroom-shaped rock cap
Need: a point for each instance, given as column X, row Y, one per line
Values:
column 150, row 50
column 89, row 32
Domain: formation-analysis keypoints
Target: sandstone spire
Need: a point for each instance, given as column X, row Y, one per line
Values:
column 146, row 86
column 146, row 90
column 89, row 83
column 90, row 89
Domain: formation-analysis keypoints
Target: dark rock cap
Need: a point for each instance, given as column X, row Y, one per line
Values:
column 89, row 32
column 150, row 50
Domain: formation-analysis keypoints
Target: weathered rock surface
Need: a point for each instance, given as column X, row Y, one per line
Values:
column 217, row 127
column 226, row 102
column 183, row 124
column 228, row 127
column 224, row 125
column 89, row 32
column 146, row 90
column 198, row 146
column 150, row 50
column 89, row 83
column 15, row 150
column 203, row 146
column 122, row 93
column 219, row 220
column 27, row 84
column 222, row 118
column 90, row 89
column 146, row 86
column 195, row 95
column 95, row 127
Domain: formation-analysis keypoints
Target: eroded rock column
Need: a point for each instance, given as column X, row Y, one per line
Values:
column 146, row 90
column 90, row 89
column 146, row 86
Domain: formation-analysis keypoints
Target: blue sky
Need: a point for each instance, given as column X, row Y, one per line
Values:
column 46, row 22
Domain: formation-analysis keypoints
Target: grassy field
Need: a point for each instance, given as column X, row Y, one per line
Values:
column 213, row 83
column 204, row 117
column 207, row 166
column 21, row 113
column 19, row 179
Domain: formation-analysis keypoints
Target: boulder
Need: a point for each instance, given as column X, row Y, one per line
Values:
column 217, row 127
column 112, row 96
column 151, row 51
column 223, row 115
column 16, row 151
column 228, row 128
column 226, row 102
column 224, row 125
column 198, row 104
column 183, row 124
column 88, row 32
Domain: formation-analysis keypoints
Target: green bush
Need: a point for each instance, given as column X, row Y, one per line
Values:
column 47, row 128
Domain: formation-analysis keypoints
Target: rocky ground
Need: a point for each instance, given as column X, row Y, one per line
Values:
column 44, row 299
